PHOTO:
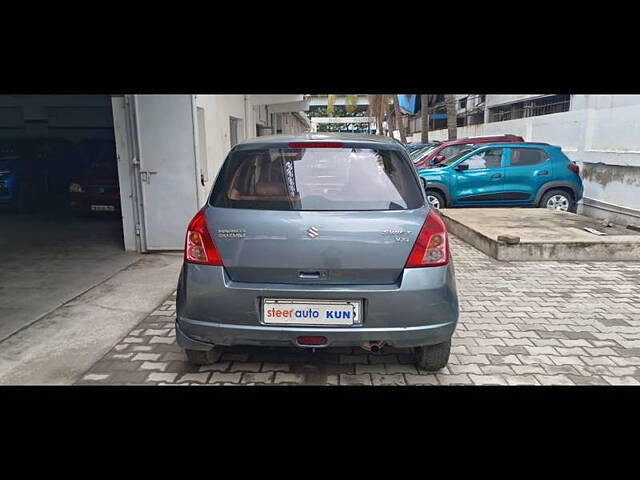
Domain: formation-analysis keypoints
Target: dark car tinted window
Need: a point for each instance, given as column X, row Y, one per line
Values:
column 522, row 157
column 317, row 179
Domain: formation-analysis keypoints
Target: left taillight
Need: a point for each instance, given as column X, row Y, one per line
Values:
column 431, row 248
column 199, row 247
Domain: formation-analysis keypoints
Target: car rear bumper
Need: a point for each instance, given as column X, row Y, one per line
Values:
column 203, row 335
column 421, row 309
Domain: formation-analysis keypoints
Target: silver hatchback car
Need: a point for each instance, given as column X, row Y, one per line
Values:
column 316, row 241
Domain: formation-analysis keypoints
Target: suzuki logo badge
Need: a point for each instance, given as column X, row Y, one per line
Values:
column 312, row 232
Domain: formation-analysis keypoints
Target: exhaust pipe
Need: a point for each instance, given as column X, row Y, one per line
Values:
column 373, row 347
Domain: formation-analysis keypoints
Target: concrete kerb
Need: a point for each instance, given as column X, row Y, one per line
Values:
column 616, row 249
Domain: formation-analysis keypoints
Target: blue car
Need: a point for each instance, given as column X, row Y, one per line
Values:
column 505, row 174
column 22, row 174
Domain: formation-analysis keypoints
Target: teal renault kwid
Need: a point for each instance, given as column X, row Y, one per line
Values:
column 505, row 174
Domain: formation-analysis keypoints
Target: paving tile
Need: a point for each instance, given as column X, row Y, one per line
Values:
column 218, row 377
column 282, row 377
column 488, row 379
column 394, row 379
column 355, row 380
column 162, row 377
column 201, row 377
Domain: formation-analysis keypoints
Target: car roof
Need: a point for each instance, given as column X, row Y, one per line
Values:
column 482, row 139
column 323, row 137
column 516, row 144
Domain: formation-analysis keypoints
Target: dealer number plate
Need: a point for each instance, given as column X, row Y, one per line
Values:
column 103, row 208
column 282, row 311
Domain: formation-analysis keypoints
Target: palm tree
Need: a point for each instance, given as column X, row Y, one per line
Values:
column 452, row 116
column 424, row 101
column 377, row 109
column 391, row 119
column 350, row 103
column 399, row 123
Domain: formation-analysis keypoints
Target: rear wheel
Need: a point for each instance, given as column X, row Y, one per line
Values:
column 204, row 357
column 433, row 357
column 436, row 200
column 558, row 200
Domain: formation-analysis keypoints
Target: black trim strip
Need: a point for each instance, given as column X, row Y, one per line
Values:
column 496, row 196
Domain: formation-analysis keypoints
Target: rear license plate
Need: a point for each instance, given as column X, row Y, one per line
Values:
column 103, row 208
column 282, row 311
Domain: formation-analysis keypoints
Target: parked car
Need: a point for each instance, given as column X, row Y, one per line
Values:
column 96, row 189
column 22, row 174
column 446, row 150
column 412, row 147
column 317, row 241
column 502, row 174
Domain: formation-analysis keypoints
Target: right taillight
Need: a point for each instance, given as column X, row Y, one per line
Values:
column 573, row 166
column 199, row 247
column 431, row 248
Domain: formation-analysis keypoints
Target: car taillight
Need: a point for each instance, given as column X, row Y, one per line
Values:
column 430, row 249
column 75, row 188
column 199, row 247
column 574, row 168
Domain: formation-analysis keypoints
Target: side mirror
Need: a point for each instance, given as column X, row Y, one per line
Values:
column 463, row 166
column 438, row 159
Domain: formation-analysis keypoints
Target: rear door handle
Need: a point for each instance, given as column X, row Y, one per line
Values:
column 496, row 175
column 543, row 172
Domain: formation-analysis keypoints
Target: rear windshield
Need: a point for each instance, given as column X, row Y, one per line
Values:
column 317, row 179
column 420, row 153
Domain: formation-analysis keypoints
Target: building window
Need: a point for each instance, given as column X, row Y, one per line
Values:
column 530, row 108
column 463, row 103
column 234, row 124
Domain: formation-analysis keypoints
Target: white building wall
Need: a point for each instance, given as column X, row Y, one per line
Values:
column 218, row 111
column 601, row 132
column 192, row 159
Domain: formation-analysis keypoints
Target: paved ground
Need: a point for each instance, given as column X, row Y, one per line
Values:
column 62, row 345
column 533, row 323
column 50, row 257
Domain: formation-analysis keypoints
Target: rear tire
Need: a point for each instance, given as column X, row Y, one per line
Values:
column 558, row 200
column 433, row 357
column 436, row 199
column 204, row 357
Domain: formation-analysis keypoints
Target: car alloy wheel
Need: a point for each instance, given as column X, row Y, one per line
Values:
column 558, row 202
column 433, row 201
